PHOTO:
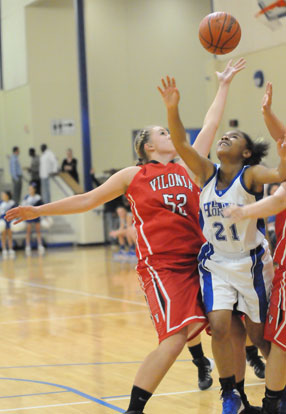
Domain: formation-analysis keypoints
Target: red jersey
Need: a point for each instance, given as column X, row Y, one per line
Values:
column 165, row 207
column 280, row 230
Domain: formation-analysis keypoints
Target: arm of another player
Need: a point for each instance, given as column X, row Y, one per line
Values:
column 200, row 166
column 263, row 175
column 274, row 125
column 112, row 188
column 214, row 115
column 266, row 207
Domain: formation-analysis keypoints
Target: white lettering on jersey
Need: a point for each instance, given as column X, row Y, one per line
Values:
column 171, row 180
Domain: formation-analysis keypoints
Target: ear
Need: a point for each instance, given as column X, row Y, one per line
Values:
column 148, row 146
column 246, row 153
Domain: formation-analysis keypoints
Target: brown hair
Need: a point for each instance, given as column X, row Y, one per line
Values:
column 141, row 138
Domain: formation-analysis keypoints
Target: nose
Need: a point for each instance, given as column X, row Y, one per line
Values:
column 225, row 138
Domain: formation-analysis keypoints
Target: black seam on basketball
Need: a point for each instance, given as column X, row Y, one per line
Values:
column 216, row 46
column 210, row 30
column 230, row 37
column 205, row 40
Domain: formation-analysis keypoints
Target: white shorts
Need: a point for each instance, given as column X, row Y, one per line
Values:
column 241, row 282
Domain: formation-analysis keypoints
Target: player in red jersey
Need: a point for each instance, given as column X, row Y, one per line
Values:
column 164, row 201
column 275, row 326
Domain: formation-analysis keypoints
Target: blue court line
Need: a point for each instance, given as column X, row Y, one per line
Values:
column 83, row 364
column 73, row 390
column 31, row 395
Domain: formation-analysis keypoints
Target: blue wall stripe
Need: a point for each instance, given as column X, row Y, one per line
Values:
column 86, row 147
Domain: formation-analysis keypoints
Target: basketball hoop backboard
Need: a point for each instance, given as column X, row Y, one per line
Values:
column 271, row 9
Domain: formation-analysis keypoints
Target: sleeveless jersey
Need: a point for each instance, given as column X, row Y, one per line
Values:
column 280, row 230
column 34, row 200
column 228, row 238
column 165, row 207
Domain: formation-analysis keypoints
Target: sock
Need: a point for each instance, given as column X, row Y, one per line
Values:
column 196, row 351
column 251, row 351
column 273, row 395
column 121, row 247
column 240, row 388
column 138, row 399
column 227, row 384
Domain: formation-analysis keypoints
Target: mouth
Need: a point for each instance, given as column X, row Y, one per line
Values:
column 224, row 143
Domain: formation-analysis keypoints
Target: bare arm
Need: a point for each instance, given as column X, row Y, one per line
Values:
column 112, row 188
column 274, row 125
column 214, row 115
column 269, row 206
column 200, row 166
column 263, row 175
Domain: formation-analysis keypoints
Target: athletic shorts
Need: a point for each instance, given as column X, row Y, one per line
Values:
column 275, row 326
column 172, row 291
column 240, row 281
column 36, row 220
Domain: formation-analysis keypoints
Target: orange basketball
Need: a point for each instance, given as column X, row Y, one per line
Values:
column 219, row 33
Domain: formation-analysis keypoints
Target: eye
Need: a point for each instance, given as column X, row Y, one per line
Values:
column 163, row 133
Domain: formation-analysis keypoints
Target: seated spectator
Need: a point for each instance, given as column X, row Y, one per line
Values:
column 69, row 165
column 33, row 199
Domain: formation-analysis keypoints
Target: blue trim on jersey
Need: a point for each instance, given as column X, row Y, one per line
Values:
column 258, row 281
column 201, row 219
column 220, row 193
column 260, row 224
column 212, row 176
column 259, row 195
column 206, row 252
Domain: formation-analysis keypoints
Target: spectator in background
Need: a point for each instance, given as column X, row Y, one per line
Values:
column 16, row 174
column 34, row 169
column 33, row 199
column 48, row 167
column 69, row 165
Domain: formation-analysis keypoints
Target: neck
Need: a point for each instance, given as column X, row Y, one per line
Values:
column 162, row 158
column 229, row 170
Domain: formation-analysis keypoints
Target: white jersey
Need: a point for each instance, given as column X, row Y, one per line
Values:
column 5, row 206
column 228, row 238
column 32, row 200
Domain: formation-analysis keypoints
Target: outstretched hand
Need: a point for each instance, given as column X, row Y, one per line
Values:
column 169, row 92
column 231, row 70
column 21, row 214
column 267, row 98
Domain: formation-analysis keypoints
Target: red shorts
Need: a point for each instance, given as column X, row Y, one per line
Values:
column 275, row 326
column 172, row 292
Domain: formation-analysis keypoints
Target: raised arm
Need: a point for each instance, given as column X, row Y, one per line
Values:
column 200, row 166
column 274, row 125
column 266, row 207
column 112, row 188
column 213, row 117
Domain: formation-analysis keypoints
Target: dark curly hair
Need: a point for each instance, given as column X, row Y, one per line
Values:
column 258, row 149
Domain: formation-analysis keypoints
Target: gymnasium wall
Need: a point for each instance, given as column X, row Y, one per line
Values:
column 265, row 50
column 130, row 45
column 53, row 76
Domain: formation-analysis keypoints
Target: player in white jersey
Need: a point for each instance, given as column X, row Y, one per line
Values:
column 228, row 263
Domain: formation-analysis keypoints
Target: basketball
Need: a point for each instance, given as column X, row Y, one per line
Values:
column 219, row 33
